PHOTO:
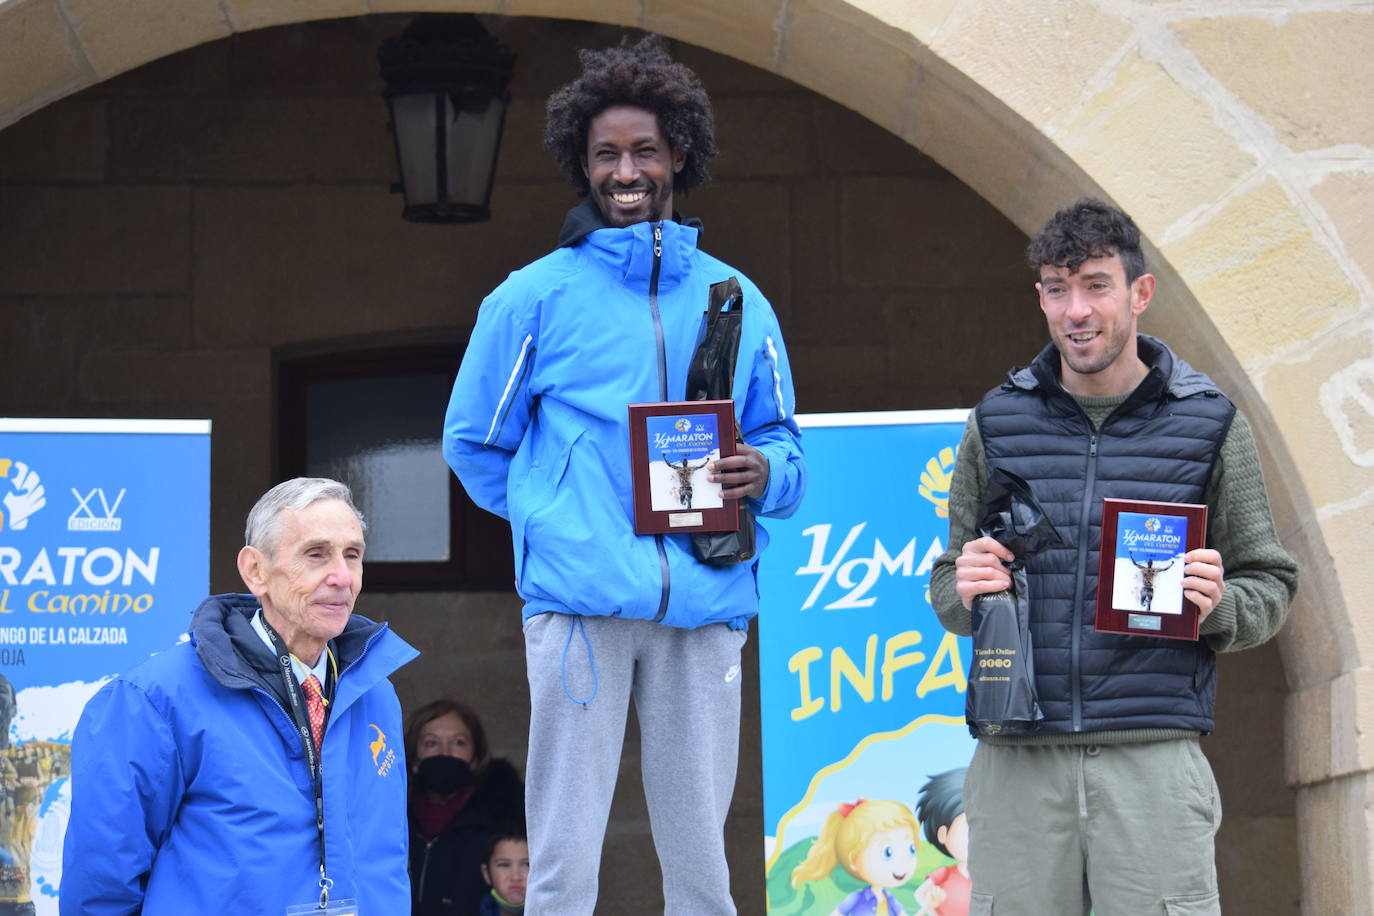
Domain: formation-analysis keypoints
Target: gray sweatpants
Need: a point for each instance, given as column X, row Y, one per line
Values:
column 686, row 690
column 1123, row 829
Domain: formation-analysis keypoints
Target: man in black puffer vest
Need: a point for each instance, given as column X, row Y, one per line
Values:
column 1110, row 805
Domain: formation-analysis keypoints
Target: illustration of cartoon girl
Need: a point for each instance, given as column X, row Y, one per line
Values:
column 875, row 841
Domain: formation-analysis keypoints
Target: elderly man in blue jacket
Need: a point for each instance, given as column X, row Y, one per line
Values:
column 537, row 430
column 259, row 765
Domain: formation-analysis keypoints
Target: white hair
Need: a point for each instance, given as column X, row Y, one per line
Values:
column 295, row 494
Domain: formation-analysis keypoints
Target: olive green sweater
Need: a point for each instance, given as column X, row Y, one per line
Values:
column 1260, row 577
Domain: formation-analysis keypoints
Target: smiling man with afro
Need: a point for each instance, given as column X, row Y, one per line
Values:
column 537, row 430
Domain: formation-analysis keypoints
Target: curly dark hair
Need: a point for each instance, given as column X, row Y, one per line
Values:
column 1087, row 229
column 643, row 75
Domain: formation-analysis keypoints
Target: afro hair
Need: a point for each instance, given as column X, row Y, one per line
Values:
column 641, row 75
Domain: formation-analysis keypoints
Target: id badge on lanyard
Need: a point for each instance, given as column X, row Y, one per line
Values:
column 332, row 908
column 324, row 906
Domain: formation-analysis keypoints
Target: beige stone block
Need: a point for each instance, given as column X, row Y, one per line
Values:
column 723, row 75
column 247, row 15
column 66, row 141
column 118, row 35
column 845, row 54
column 926, row 20
column 39, row 59
column 744, row 31
column 986, row 146
column 1343, row 535
column 1352, row 722
column 99, row 240
column 1334, row 826
column 434, row 6
column 762, row 137
column 1307, row 742
column 1310, row 400
column 887, row 244
column 1032, row 56
column 202, row 70
column 748, row 225
column 1299, row 74
column 1348, row 198
column 1155, row 145
column 1316, row 643
column 619, row 12
column 1256, row 261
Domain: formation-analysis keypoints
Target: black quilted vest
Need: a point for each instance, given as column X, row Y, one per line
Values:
column 1160, row 444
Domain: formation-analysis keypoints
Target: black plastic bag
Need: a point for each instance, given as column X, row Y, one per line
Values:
column 711, row 377
column 1001, row 696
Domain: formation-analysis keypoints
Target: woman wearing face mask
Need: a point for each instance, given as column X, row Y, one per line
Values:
column 458, row 794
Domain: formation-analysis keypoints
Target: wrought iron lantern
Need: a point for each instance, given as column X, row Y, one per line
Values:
column 446, row 85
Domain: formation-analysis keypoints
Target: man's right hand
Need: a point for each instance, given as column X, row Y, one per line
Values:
column 979, row 570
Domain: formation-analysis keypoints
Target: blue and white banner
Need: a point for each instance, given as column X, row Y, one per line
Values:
column 862, row 689
column 104, row 553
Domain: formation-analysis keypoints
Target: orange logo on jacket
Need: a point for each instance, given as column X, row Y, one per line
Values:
column 383, row 757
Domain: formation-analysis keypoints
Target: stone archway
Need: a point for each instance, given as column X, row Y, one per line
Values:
column 1218, row 134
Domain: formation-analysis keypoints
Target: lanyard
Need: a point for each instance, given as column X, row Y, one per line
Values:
column 296, row 697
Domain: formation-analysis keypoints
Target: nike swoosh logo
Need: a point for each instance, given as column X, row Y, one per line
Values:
column 732, row 673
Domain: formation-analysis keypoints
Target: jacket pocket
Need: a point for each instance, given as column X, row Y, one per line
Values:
column 536, row 493
column 1193, row 905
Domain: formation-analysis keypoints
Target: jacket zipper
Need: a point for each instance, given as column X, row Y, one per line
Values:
column 424, row 867
column 662, row 396
column 366, row 645
column 1081, row 581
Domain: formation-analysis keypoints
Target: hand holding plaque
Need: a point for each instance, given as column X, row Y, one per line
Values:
column 671, row 444
column 1141, row 568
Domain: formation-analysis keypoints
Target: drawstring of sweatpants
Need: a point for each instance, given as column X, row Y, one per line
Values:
column 576, row 624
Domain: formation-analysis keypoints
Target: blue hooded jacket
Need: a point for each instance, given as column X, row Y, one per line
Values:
column 191, row 793
column 537, row 427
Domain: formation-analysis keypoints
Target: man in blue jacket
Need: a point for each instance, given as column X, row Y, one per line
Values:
column 537, row 430
column 259, row 765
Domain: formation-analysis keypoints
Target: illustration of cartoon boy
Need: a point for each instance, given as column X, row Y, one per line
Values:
column 875, row 841
column 946, row 890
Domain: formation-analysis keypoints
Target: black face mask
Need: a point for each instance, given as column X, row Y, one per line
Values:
column 444, row 775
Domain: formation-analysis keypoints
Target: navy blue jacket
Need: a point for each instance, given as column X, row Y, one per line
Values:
column 1161, row 445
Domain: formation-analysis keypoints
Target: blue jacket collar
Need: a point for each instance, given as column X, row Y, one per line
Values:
column 222, row 634
column 628, row 253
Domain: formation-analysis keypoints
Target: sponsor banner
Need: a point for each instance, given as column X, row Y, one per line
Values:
column 862, row 690
column 104, row 553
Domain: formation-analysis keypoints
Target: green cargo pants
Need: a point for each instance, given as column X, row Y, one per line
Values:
column 1119, row 830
